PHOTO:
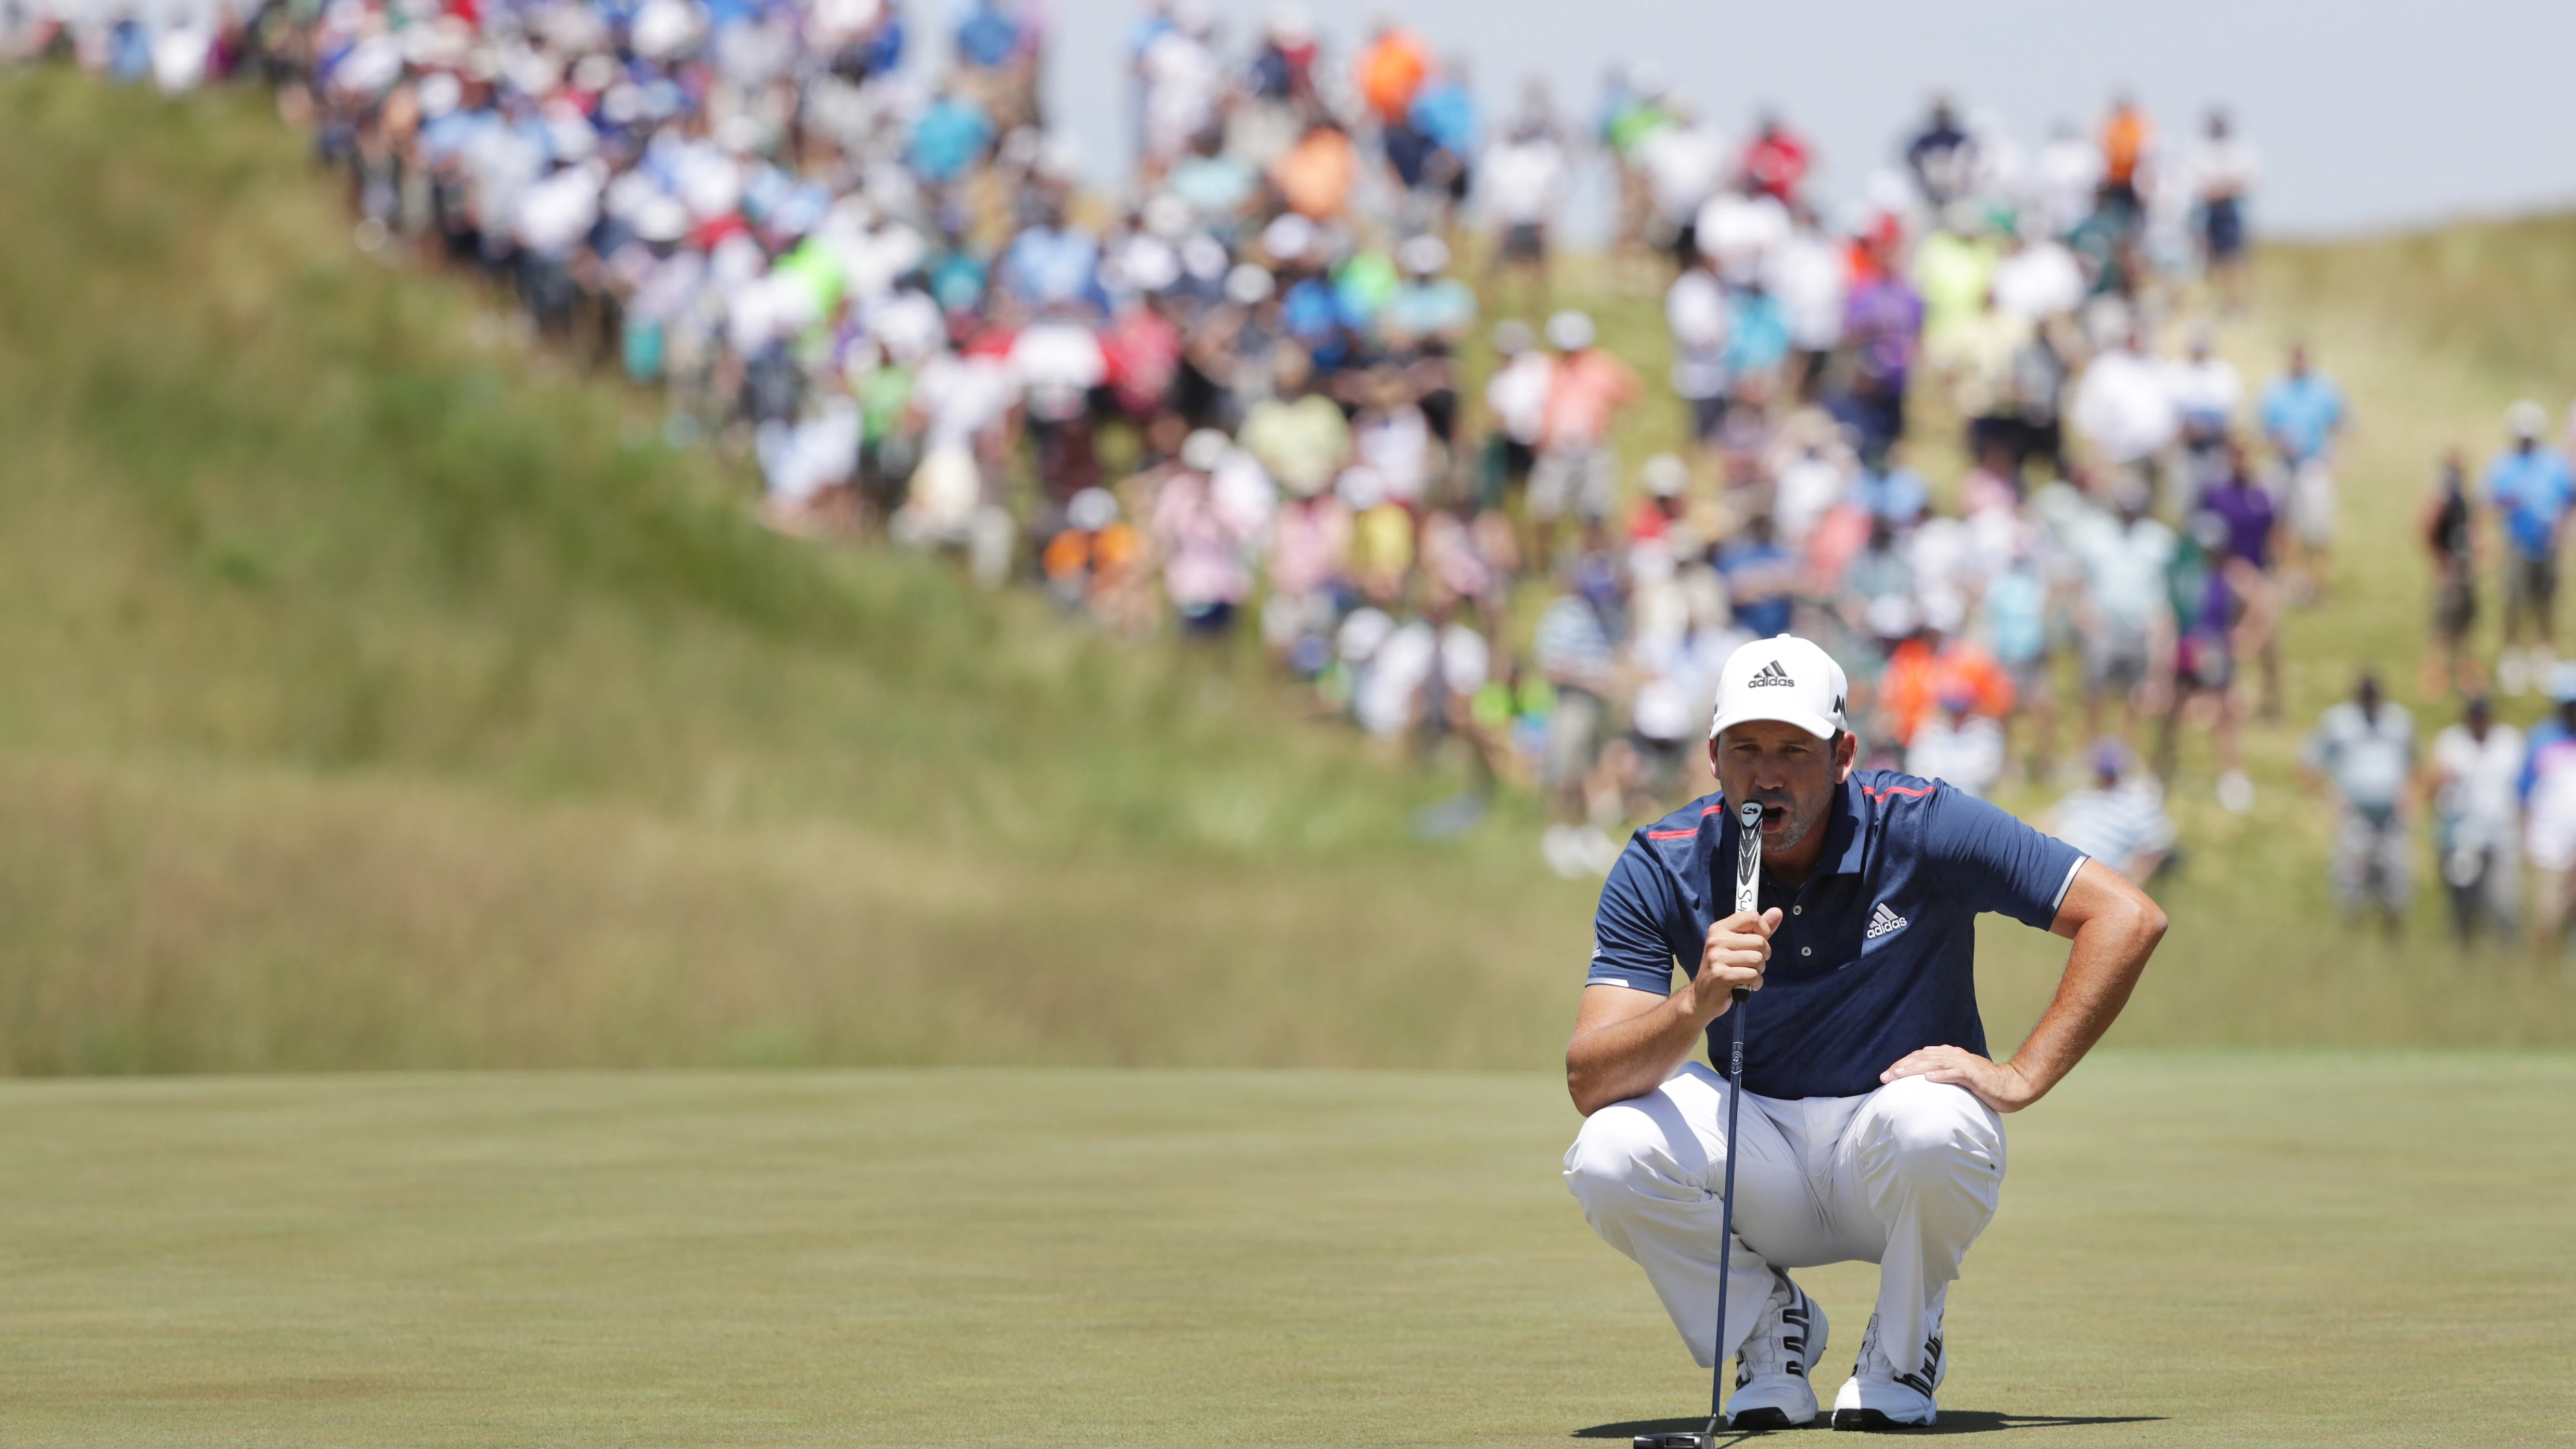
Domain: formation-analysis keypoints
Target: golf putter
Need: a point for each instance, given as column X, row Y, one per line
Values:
column 1748, row 901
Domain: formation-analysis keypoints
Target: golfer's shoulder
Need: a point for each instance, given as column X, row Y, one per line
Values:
column 1667, row 862
column 1909, row 813
column 1888, row 795
column 1678, row 835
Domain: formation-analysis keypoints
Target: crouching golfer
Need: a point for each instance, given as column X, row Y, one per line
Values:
column 1871, row 1127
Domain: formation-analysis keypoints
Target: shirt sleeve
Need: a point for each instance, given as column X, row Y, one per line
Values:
column 1994, row 862
column 1628, row 944
column 2317, row 751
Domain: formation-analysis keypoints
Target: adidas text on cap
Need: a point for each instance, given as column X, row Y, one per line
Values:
column 1785, row 678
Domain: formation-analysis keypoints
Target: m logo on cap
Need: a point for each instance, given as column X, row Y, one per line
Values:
column 1770, row 673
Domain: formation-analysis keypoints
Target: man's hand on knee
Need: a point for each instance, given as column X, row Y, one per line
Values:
column 1997, row 1084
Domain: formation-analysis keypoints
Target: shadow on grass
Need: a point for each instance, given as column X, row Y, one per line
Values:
column 1953, row 1421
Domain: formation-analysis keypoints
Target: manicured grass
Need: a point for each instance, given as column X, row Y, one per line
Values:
column 2195, row 1248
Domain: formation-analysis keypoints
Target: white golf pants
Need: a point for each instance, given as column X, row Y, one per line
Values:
column 1905, row 1177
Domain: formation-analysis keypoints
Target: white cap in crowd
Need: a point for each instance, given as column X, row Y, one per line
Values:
column 1783, row 678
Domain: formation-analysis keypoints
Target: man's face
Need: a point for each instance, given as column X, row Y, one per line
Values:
column 1789, row 772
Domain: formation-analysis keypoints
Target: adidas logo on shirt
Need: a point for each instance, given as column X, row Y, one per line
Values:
column 1770, row 673
column 1883, row 922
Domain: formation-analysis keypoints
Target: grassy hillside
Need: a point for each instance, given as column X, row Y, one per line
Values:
column 378, row 698
column 385, row 697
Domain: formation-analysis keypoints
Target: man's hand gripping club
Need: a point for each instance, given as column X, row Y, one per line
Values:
column 1736, row 954
column 1613, row 1058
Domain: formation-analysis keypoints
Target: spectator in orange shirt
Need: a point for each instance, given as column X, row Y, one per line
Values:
column 1937, row 663
column 1390, row 72
column 1315, row 176
column 2126, row 134
column 1576, row 468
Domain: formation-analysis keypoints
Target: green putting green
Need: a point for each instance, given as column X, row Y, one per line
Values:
column 2195, row 1248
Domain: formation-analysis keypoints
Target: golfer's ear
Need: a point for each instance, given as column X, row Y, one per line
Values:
column 1846, row 754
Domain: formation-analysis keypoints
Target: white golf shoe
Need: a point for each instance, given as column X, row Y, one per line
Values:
column 1877, row 1397
column 1772, row 1390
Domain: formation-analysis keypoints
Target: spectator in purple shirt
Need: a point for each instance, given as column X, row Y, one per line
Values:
column 1883, row 324
column 2252, row 523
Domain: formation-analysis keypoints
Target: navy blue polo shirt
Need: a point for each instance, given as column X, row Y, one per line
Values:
column 1876, row 953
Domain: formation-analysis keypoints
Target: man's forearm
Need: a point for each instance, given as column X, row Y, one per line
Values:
column 2109, row 954
column 1633, row 1055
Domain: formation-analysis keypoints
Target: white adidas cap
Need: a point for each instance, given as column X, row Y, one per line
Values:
column 1784, row 678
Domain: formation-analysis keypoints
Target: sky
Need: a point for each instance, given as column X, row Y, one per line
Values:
column 2368, row 115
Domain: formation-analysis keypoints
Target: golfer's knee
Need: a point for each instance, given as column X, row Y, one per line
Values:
column 1937, row 1133
column 1613, row 1158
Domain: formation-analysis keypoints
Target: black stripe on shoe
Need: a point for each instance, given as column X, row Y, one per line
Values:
column 1872, row 1421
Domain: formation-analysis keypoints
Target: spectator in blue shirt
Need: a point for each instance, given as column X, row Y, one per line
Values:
column 1576, row 648
column 949, row 137
column 1761, row 578
column 1444, row 114
column 1051, row 264
column 2302, row 414
column 1888, row 489
column 1870, row 1122
column 1757, row 331
column 2531, row 491
column 987, row 36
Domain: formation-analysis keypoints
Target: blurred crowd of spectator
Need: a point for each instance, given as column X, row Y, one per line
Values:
column 2502, row 801
column 1307, row 375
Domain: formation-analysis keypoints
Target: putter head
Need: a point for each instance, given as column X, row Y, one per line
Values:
column 1695, row 1439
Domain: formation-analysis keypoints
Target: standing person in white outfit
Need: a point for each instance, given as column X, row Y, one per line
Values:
column 2363, row 753
column 1871, row 1127
column 2476, row 772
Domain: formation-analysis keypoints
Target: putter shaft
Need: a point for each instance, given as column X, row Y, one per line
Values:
column 1748, row 901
